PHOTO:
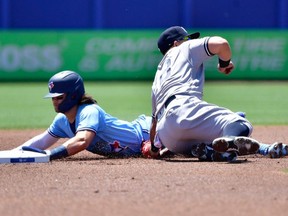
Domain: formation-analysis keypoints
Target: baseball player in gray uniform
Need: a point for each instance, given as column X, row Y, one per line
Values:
column 184, row 123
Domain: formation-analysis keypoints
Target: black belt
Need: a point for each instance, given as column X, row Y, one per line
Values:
column 169, row 100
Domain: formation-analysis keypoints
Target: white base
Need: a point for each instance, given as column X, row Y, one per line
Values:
column 19, row 156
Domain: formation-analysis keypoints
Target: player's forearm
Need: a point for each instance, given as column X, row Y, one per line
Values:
column 225, row 53
column 154, row 147
column 153, row 130
column 75, row 146
column 220, row 46
column 80, row 142
column 67, row 149
column 41, row 141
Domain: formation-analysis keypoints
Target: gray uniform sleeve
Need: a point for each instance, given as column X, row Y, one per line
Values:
column 199, row 51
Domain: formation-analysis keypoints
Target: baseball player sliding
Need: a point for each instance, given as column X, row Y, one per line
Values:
column 86, row 124
column 184, row 123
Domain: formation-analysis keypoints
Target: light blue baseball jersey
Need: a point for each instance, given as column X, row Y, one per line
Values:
column 112, row 134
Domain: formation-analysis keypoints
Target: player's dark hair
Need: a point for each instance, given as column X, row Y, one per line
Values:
column 87, row 99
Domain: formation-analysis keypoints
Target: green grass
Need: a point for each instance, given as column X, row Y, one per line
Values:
column 265, row 103
column 22, row 106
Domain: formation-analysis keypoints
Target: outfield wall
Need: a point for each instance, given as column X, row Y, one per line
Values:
column 135, row 14
column 131, row 55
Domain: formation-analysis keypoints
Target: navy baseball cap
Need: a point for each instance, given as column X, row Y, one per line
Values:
column 174, row 33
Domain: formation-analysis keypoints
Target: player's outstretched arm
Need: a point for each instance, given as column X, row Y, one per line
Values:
column 78, row 143
column 41, row 141
column 220, row 47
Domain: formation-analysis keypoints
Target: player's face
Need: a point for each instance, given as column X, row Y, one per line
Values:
column 56, row 101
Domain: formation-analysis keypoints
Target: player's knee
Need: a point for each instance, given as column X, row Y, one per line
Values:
column 237, row 129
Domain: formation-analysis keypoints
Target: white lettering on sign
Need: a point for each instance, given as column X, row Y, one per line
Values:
column 132, row 63
column 119, row 54
column 30, row 57
column 253, row 54
column 112, row 46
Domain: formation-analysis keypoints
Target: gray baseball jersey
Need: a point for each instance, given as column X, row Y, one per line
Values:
column 184, row 119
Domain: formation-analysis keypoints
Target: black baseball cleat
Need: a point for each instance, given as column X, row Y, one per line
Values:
column 244, row 145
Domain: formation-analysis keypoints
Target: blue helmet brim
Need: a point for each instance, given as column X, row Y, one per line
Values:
column 51, row 95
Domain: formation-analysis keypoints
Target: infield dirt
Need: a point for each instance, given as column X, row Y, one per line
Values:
column 87, row 184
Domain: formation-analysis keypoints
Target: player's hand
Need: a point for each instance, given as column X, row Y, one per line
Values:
column 147, row 152
column 33, row 149
column 226, row 70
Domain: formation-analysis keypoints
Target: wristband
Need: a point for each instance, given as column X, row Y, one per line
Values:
column 224, row 64
column 154, row 148
column 58, row 152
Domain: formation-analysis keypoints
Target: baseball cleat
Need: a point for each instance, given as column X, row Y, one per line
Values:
column 278, row 150
column 199, row 150
column 244, row 145
column 222, row 144
column 206, row 153
column 230, row 156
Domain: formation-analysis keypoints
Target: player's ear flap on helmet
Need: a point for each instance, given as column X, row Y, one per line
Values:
column 73, row 96
column 70, row 83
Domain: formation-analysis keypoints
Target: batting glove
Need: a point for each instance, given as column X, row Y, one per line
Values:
column 147, row 152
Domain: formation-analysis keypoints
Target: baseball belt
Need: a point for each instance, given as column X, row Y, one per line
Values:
column 162, row 110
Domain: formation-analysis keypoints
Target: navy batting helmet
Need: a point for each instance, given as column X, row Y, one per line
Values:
column 69, row 83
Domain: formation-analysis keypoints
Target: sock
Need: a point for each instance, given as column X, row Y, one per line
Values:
column 263, row 149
